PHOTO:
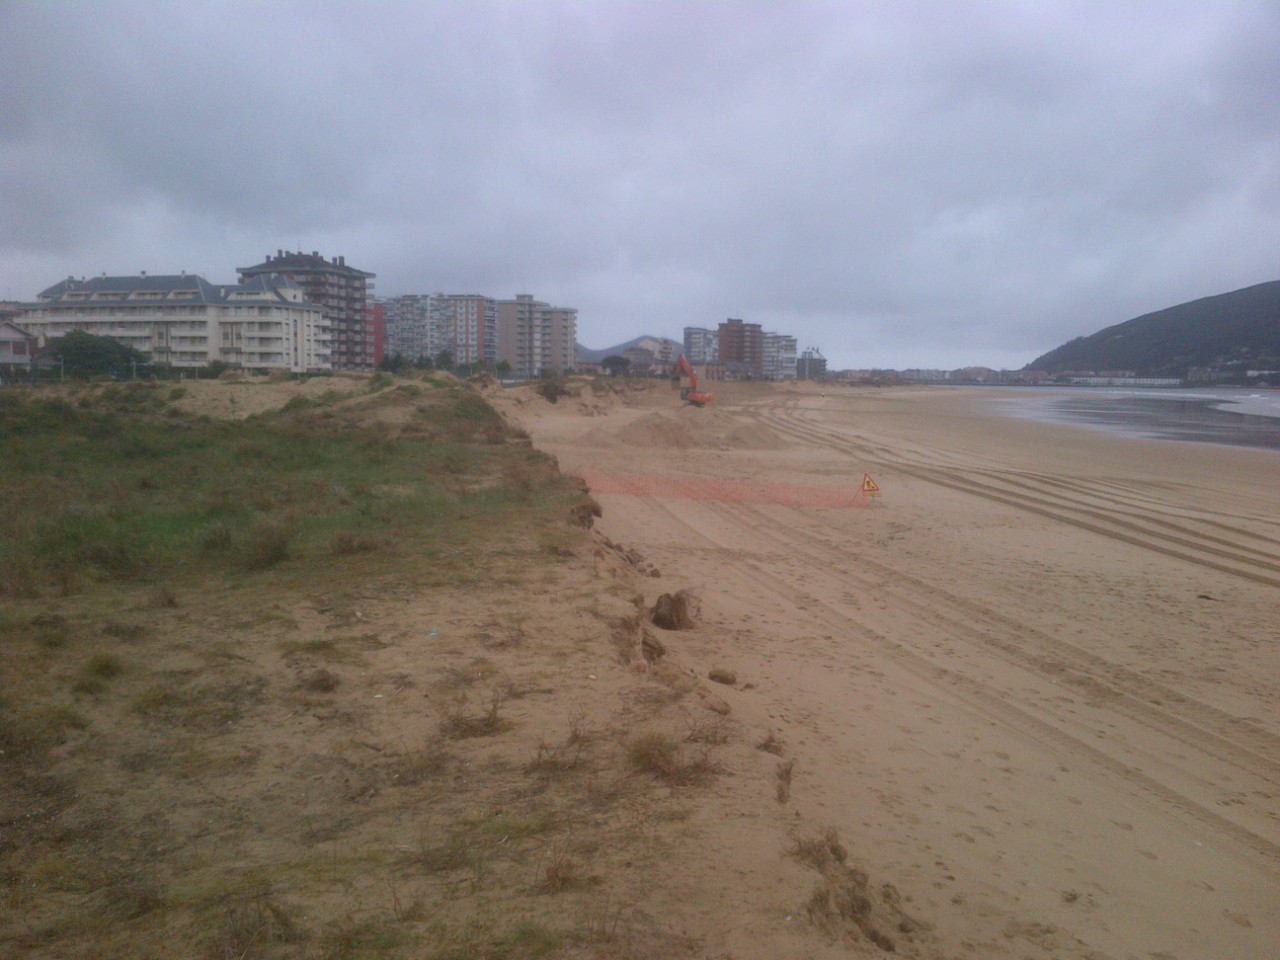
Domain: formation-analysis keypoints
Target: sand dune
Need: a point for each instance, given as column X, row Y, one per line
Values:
column 1034, row 686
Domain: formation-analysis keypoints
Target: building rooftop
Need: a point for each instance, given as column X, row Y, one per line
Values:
column 170, row 288
column 289, row 260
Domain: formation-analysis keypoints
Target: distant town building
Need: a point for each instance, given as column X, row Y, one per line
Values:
column 741, row 349
column 411, row 333
column 778, row 360
column 341, row 291
column 664, row 355
column 376, row 330
column 1207, row 374
column 641, row 360
column 919, row 375
column 535, row 338
column 701, row 345
column 1101, row 381
column 17, row 347
column 811, row 365
column 468, row 327
column 262, row 323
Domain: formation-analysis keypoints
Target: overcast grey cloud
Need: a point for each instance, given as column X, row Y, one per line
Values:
column 900, row 184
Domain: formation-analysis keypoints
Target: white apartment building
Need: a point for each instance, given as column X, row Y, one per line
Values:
column 411, row 330
column 424, row 325
column 17, row 347
column 778, row 356
column 702, row 345
column 264, row 323
column 468, row 325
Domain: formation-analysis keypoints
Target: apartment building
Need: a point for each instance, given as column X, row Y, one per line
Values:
column 811, row 365
column 536, row 338
column 468, row 325
column 375, row 328
column 778, row 356
column 422, row 326
column 741, row 349
column 411, row 332
column 264, row 323
column 701, row 345
column 341, row 291
column 17, row 347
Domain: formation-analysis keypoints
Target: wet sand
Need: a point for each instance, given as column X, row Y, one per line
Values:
column 1243, row 419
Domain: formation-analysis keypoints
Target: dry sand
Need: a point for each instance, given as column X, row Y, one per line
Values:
column 1034, row 686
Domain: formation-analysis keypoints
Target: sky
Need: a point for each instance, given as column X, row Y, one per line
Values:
column 898, row 184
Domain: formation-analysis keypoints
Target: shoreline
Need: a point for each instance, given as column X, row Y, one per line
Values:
column 1217, row 418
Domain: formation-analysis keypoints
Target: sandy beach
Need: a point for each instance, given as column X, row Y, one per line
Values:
column 1033, row 685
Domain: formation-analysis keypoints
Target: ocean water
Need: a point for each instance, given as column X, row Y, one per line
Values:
column 1245, row 418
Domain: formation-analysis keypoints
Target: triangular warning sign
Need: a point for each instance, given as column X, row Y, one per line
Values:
column 869, row 486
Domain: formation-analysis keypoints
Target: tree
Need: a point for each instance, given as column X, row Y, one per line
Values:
column 615, row 365
column 503, row 368
column 88, row 355
column 444, row 360
column 395, row 363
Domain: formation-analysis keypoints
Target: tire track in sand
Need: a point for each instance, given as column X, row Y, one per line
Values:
column 766, row 580
column 1199, row 725
column 1250, row 564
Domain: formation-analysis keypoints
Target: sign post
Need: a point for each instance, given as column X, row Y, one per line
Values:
column 869, row 487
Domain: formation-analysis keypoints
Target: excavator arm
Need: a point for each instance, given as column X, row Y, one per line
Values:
column 690, row 393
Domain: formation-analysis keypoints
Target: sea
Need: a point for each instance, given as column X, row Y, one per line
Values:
column 1241, row 417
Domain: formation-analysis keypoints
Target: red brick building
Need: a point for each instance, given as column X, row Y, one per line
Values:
column 742, row 349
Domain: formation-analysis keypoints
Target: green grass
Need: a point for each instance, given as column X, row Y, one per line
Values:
column 115, row 493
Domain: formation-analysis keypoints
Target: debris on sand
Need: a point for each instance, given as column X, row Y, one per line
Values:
column 584, row 510
column 652, row 648
column 632, row 557
column 673, row 611
column 844, row 903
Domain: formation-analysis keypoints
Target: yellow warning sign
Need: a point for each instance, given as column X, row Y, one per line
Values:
column 869, row 486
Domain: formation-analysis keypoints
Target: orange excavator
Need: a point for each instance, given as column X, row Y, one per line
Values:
column 690, row 393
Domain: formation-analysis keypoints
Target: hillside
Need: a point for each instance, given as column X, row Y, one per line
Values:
column 1235, row 331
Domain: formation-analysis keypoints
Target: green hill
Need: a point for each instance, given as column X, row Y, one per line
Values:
column 1230, row 332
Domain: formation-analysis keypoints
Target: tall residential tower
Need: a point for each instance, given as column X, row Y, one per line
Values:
column 342, row 292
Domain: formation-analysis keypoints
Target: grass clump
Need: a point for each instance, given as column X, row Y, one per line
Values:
column 267, row 546
column 319, row 680
column 459, row 724
column 254, row 926
column 367, row 936
column 97, row 671
column 659, row 754
column 820, row 851
column 772, row 743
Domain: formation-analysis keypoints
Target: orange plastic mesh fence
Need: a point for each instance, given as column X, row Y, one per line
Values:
column 733, row 491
